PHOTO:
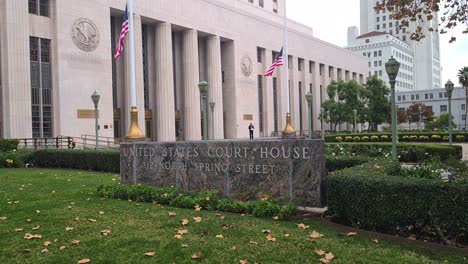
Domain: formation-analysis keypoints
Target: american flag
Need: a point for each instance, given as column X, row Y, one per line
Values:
column 276, row 63
column 123, row 33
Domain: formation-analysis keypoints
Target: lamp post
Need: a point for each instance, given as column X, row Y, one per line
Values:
column 322, row 111
column 309, row 98
column 355, row 119
column 392, row 67
column 449, row 88
column 212, row 106
column 95, row 97
column 420, row 115
column 466, row 98
column 203, row 86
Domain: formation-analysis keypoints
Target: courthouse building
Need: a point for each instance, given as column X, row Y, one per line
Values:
column 55, row 53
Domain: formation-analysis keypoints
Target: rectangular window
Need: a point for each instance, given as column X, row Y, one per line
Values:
column 412, row 97
column 384, row 26
column 426, row 96
column 463, row 106
column 32, row 6
column 299, row 64
column 443, row 108
column 275, row 102
column 380, row 73
column 39, row 7
column 260, row 3
column 375, row 63
column 404, row 97
column 41, row 87
column 375, row 53
column 260, row 103
column 259, row 54
column 463, row 117
column 275, row 6
column 380, row 63
column 417, row 97
column 399, row 98
column 378, row 19
column 380, row 53
column 378, row 27
column 431, row 96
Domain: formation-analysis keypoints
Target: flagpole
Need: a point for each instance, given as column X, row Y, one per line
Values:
column 135, row 132
column 288, row 131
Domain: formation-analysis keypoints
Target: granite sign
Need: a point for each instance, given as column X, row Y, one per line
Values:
column 291, row 170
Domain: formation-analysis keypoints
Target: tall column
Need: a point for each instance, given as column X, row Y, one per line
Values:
column 215, row 84
column 268, row 98
column 165, row 110
column 192, row 115
column 15, row 70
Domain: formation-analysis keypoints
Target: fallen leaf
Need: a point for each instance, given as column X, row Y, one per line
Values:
column 275, row 217
column 184, row 246
column 84, row 261
column 178, row 236
column 286, row 235
column 75, row 242
column 266, row 231
column 171, row 214
column 303, row 226
column 19, row 230
column 315, row 234
column 27, row 220
column 350, row 234
column 150, row 254
column 207, row 198
column 45, row 250
column 319, row 252
column 68, row 228
column 329, row 256
column 185, row 221
column 27, row 250
column 92, row 220
column 28, row 236
column 37, row 211
column 270, row 238
column 47, row 243
column 233, row 248
column 3, row 218
column 105, row 232
column 36, row 228
column 62, row 247
column 412, row 237
column 376, row 241
column 182, row 231
column 55, row 240
column 243, row 261
column 197, row 255
column 222, row 217
column 323, row 260
column 197, row 208
column 242, row 214
column 219, row 236
column 253, row 242
column 197, row 219
column 101, row 212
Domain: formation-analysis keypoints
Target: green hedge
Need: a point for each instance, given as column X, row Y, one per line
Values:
column 106, row 160
column 334, row 163
column 402, row 137
column 15, row 158
column 406, row 151
column 209, row 200
column 8, row 144
column 377, row 202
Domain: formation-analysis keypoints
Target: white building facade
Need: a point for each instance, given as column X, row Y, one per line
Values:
column 427, row 68
column 378, row 48
column 437, row 101
column 55, row 54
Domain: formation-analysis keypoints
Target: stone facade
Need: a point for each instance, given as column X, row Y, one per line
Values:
column 177, row 45
column 290, row 170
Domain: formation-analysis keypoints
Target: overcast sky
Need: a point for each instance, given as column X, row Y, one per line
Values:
column 331, row 19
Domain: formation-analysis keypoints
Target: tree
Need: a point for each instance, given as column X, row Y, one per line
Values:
column 344, row 97
column 463, row 79
column 402, row 117
column 415, row 116
column 420, row 12
column 441, row 122
column 378, row 106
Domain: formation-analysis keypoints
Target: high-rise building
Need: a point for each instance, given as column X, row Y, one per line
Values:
column 427, row 69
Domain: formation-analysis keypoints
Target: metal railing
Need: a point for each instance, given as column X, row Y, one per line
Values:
column 299, row 133
column 64, row 142
column 89, row 142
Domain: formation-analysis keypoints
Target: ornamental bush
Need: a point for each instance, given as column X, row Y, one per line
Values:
column 460, row 138
column 365, row 138
column 436, row 138
column 356, row 139
column 348, row 138
column 423, row 138
column 413, row 138
column 339, row 138
column 384, row 138
column 374, row 138
column 8, row 144
column 15, row 158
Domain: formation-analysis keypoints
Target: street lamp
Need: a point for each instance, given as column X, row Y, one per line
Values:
column 420, row 115
column 203, row 86
column 212, row 106
column 355, row 119
column 322, row 111
column 95, row 97
column 392, row 67
column 449, row 88
column 309, row 99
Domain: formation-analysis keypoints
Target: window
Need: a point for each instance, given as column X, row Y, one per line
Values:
column 380, row 73
column 375, row 53
column 260, row 103
column 463, row 106
column 375, row 63
column 404, row 97
column 399, row 98
column 412, row 97
column 299, row 64
column 443, row 108
column 380, row 53
column 431, row 96
column 404, row 38
column 378, row 19
column 367, row 40
column 369, row 64
column 384, row 26
column 463, row 117
column 41, row 87
column 39, row 7
column 275, row 6
column 426, row 96
column 259, row 55
column 417, row 97
column 378, row 27
column 260, row 3
column 380, row 63
column 384, row 18
column 390, row 24
column 251, row 1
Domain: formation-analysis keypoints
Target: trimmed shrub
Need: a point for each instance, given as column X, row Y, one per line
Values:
column 368, row 199
column 106, row 160
column 374, row 138
column 8, row 144
column 460, row 138
column 356, row 139
column 365, row 138
column 334, row 163
column 384, row 138
column 423, row 138
column 339, row 139
column 436, row 138
column 208, row 200
column 403, row 136
column 348, row 138
column 15, row 158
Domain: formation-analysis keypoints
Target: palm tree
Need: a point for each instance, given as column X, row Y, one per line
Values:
column 463, row 79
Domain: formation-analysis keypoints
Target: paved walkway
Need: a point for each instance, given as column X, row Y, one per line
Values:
column 465, row 150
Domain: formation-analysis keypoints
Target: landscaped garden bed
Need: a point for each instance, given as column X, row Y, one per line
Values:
column 414, row 136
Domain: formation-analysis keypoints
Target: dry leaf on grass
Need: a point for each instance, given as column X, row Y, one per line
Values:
column 286, row 235
column 197, row 255
column 253, row 242
column 19, row 230
column 197, row 208
column 314, row 234
column 266, row 231
column 150, row 254
column 101, row 212
column 207, row 198
column 197, row 219
column 233, row 248
column 302, row 226
column 28, row 236
column 185, row 221
column 105, row 232
column 62, row 247
column 84, row 261
column 36, row 228
column 47, row 243
column 171, row 214
column 350, row 234
column 376, row 241
column 45, row 250
column 328, row 257
column 275, row 217
column 27, row 250
column 184, row 245
column 182, row 231
column 68, row 228
column 219, row 236
column 243, row 261
column 92, row 220
column 412, row 237
column 178, row 236
column 75, row 242
column 270, row 238
column 3, row 218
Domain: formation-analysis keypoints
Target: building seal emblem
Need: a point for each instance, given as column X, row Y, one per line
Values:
column 246, row 66
column 85, row 34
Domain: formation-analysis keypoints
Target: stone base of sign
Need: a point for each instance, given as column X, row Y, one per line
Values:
column 288, row 170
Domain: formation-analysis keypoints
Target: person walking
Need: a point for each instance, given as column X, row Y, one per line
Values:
column 251, row 131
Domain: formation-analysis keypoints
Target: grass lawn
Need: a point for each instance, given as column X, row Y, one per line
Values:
column 52, row 200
